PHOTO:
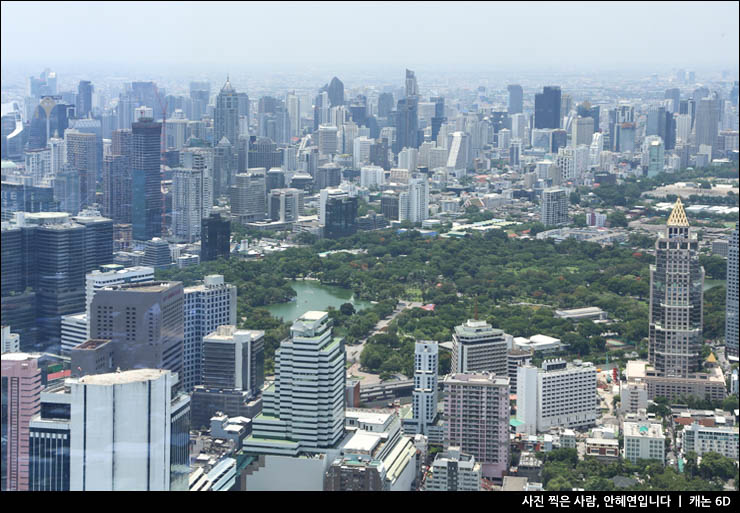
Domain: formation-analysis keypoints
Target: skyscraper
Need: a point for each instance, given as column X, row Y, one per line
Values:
column 129, row 432
column 516, row 97
column 144, row 322
column 477, row 419
column 335, row 89
column 413, row 204
column 676, row 284
column 21, row 389
column 84, row 99
column 82, row 155
column 547, row 108
column 117, row 188
column 226, row 115
column 554, row 209
column 407, row 124
column 146, row 203
column 206, row 307
column 215, row 235
column 731, row 323
column 248, row 196
column 189, row 203
column 706, row 123
column 424, row 395
column 304, row 409
column 477, row 347
column 412, row 89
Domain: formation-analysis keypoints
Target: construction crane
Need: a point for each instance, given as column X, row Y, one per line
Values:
column 163, row 150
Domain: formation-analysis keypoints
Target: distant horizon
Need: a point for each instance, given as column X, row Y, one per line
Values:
column 526, row 37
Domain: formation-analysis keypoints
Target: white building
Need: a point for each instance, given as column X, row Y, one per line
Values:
column 554, row 208
column 75, row 330
column 408, row 159
column 327, row 139
column 454, row 471
column 207, row 307
column 459, row 153
column 372, row 176
column 361, row 151
column 518, row 126
column 437, row 158
column 643, row 441
column 654, row 154
column 413, row 204
column 478, row 347
column 11, row 342
column 701, row 439
column 128, row 432
column 559, row 394
column 424, row 395
column 188, row 203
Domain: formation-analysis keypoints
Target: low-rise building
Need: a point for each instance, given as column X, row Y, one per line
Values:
column 643, row 441
column 453, row 470
column 702, row 439
column 605, row 450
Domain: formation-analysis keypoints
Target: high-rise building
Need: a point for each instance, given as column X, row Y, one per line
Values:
column 706, row 124
column 731, row 323
column 84, row 99
column 673, row 94
column 285, row 204
column 477, row 347
column 385, row 104
column 327, row 139
column 335, row 91
column 547, row 108
column 337, row 213
column 117, row 188
column 138, row 410
column 328, row 175
column 476, row 414
column 188, row 205
column 304, row 408
column 655, row 155
column 146, row 196
column 157, row 254
column 215, row 237
column 676, row 300
column 558, row 394
column 413, row 204
column 248, row 196
column 82, row 155
column 234, row 359
column 424, row 395
column 226, row 115
column 412, row 89
column 554, row 210
column 49, row 442
column 516, row 97
column 206, row 307
column 9, row 342
column 407, row 124
column 144, row 322
column 21, row 389
column 583, row 131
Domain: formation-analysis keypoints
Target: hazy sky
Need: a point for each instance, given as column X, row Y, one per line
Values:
column 581, row 36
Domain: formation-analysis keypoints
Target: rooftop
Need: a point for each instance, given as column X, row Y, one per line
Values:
column 122, row 378
column 92, row 343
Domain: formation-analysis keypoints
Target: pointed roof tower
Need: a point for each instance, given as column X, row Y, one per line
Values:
column 227, row 88
column 678, row 215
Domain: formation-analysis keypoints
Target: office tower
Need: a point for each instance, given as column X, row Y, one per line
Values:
column 157, row 254
column 234, row 359
column 516, row 97
column 140, row 411
column 731, row 322
column 408, row 159
column 188, row 205
column 655, row 155
column 21, row 387
column 453, row 471
column 476, row 414
column 146, row 199
column 337, row 213
column 264, row 153
column 226, row 115
column 389, row 205
column 547, row 108
column 225, row 162
column 519, row 126
column 215, row 237
column 84, row 99
column 412, row 89
column 82, row 155
column 459, row 155
column 50, row 119
column 327, row 139
column 586, row 110
column 335, row 90
column 244, row 109
column 144, row 321
column 583, row 131
column 676, row 300
column 207, row 306
column 200, row 93
column 285, row 204
column 558, row 394
column 407, row 124
column 98, row 238
column 413, row 204
column 424, row 395
column 706, row 124
column 477, row 347
column 328, row 175
column 293, row 106
column 673, row 94
column 96, row 280
column 117, row 188
column 49, row 442
column 248, row 196
column 554, row 210
column 504, row 139
column 304, row 409
column 361, row 151
column 559, row 139
column 385, row 104
column 275, row 179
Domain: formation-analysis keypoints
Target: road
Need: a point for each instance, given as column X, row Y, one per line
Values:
column 354, row 352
